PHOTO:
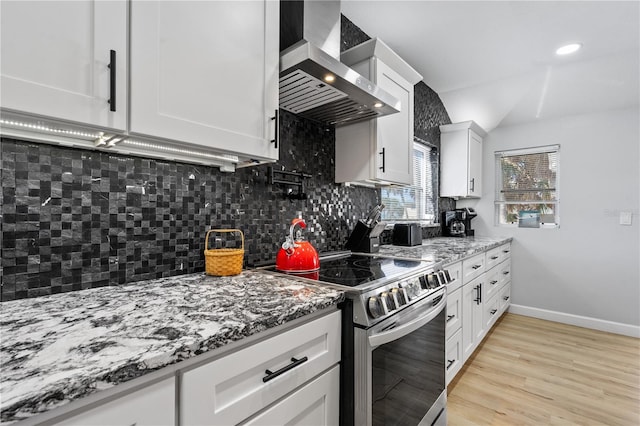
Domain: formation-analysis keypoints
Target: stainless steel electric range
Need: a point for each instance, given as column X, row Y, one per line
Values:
column 393, row 357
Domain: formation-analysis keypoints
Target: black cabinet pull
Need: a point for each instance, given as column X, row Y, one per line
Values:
column 112, row 80
column 505, row 251
column 476, row 266
column 505, row 273
column 493, row 282
column 480, row 293
column 450, row 363
column 494, row 257
column 473, row 184
column 450, row 317
column 273, row 374
column 382, row 153
column 478, row 298
column 274, row 141
column 506, row 298
column 493, row 311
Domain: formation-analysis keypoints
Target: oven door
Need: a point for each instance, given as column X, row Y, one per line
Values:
column 400, row 367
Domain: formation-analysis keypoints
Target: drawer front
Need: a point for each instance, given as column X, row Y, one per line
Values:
column 494, row 257
column 454, row 312
column 505, row 251
column 491, row 312
column 455, row 272
column 505, row 272
column 230, row 389
column 454, row 355
column 152, row 406
column 473, row 267
column 316, row 403
column 493, row 282
column 504, row 300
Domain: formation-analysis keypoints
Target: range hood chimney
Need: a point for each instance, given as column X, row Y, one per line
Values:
column 313, row 82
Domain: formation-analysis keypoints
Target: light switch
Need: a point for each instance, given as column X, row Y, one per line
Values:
column 625, row 218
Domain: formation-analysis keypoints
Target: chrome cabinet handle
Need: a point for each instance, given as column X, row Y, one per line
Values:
column 273, row 374
column 112, row 80
column 274, row 141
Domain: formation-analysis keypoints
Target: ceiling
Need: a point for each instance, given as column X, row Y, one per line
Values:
column 494, row 62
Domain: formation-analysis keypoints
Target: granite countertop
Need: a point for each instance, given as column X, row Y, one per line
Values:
column 444, row 249
column 57, row 349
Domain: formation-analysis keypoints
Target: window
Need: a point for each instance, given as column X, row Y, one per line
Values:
column 527, row 191
column 420, row 200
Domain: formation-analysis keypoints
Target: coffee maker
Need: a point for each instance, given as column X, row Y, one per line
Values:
column 457, row 223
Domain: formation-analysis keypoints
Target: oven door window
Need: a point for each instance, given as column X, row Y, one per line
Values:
column 409, row 375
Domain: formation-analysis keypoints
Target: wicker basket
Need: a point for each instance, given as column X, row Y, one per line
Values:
column 225, row 261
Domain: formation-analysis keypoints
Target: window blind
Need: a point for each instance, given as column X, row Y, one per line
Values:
column 527, row 185
column 419, row 200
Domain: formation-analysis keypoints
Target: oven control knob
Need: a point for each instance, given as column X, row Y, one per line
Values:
column 375, row 307
column 388, row 301
column 410, row 290
column 399, row 295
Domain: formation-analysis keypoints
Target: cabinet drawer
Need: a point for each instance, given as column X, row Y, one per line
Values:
column 505, row 273
column 505, row 251
column 454, row 312
column 455, row 272
column 232, row 388
column 317, row 403
column 454, row 355
column 152, row 406
column 504, row 300
column 493, row 282
column 494, row 257
column 491, row 312
column 473, row 267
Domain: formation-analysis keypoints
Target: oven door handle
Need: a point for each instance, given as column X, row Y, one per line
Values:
column 411, row 325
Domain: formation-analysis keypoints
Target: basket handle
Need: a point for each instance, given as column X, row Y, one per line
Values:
column 206, row 239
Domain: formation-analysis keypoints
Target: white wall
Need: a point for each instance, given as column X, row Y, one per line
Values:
column 589, row 267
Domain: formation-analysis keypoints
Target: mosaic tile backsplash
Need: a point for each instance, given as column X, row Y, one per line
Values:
column 75, row 219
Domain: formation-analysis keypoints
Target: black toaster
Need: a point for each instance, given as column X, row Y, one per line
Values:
column 407, row 234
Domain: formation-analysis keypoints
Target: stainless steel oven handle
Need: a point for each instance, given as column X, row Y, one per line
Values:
column 411, row 325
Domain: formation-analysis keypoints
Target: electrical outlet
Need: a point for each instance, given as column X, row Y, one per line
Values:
column 625, row 218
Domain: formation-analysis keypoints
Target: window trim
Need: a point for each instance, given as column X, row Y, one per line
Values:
column 498, row 181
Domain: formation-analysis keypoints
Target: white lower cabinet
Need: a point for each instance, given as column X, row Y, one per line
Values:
column 240, row 385
column 473, row 329
column 504, row 300
column 317, row 403
column 151, row 406
column 454, row 312
column 455, row 357
column 491, row 312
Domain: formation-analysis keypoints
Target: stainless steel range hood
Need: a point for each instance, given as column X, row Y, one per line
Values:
column 313, row 82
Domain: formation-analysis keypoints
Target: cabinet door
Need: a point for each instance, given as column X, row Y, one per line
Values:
column 491, row 312
column 504, row 298
column 394, row 134
column 472, row 323
column 454, row 355
column 56, row 56
column 316, row 403
column 454, row 312
column 474, row 181
column 151, row 406
column 206, row 73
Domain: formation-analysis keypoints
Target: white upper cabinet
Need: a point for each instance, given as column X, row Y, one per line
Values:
column 56, row 58
column 379, row 151
column 461, row 160
column 206, row 73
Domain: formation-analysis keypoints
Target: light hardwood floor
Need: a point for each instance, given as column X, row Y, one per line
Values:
column 534, row 372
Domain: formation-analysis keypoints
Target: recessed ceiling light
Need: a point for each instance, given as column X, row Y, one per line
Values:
column 378, row 105
column 568, row 49
column 329, row 78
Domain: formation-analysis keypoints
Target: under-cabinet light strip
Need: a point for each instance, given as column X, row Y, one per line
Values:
column 40, row 127
column 227, row 158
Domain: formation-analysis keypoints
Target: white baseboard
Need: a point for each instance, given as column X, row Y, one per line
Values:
column 580, row 321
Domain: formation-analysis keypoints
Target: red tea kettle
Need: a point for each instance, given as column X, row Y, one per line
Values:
column 297, row 255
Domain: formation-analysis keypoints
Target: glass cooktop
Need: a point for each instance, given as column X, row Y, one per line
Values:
column 353, row 270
